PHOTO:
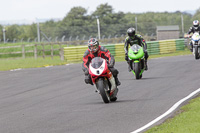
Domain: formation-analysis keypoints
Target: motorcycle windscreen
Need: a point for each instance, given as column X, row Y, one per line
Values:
column 135, row 48
column 96, row 62
column 195, row 37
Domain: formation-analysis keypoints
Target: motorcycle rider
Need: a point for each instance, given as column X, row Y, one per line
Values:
column 193, row 29
column 135, row 39
column 95, row 50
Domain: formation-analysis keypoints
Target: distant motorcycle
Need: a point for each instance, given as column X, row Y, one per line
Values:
column 196, row 45
column 103, row 79
column 136, row 60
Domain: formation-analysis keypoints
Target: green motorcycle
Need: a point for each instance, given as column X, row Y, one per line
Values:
column 136, row 60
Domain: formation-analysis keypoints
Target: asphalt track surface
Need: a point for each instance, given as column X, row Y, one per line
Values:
column 56, row 99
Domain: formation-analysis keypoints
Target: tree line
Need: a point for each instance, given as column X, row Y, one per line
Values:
column 78, row 22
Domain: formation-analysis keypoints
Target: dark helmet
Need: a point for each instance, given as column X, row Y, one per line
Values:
column 196, row 24
column 95, row 43
column 131, row 32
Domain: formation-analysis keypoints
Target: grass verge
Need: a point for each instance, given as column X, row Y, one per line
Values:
column 186, row 120
column 9, row 64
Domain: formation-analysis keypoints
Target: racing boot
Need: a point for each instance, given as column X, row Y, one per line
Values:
column 113, row 96
column 115, row 73
column 145, row 65
column 113, row 90
column 113, row 84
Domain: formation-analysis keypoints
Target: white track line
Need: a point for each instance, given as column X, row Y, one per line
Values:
column 167, row 113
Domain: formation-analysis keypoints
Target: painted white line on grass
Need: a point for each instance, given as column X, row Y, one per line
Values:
column 69, row 64
column 16, row 69
column 167, row 113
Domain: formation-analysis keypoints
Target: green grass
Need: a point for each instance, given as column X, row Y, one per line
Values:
column 177, row 53
column 15, row 44
column 8, row 64
column 29, row 48
column 187, row 120
column 185, row 52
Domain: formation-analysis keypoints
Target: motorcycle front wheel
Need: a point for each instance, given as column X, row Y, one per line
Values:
column 196, row 53
column 102, row 91
column 137, row 70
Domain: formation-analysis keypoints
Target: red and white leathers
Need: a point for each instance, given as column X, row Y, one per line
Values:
column 103, row 53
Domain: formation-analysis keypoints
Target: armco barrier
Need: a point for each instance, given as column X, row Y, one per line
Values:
column 76, row 53
column 111, row 48
column 167, row 46
column 180, row 44
column 119, row 50
column 153, row 48
column 73, row 54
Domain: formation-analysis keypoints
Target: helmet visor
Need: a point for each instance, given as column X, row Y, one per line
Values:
column 196, row 27
column 93, row 48
column 131, row 34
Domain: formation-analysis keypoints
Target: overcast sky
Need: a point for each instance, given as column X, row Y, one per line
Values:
column 32, row 9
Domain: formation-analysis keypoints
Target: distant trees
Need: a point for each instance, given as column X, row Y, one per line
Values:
column 111, row 23
column 1, row 32
column 13, row 32
column 73, row 21
column 78, row 23
column 197, row 15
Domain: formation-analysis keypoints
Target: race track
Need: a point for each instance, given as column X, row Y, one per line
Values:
column 56, row 99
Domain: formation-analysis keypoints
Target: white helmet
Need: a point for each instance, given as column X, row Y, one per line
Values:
column 196, row 24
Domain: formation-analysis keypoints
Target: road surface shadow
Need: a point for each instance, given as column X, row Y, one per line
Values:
column 143, row 78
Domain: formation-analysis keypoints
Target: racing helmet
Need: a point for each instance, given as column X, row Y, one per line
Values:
column 93, row 45
column 131, row 32
column 196, row 24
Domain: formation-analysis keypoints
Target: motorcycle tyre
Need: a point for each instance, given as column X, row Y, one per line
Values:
column 137, row 70
column 140, row 76
column 102, row 91
column 196, row 53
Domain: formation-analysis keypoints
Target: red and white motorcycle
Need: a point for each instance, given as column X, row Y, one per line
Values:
column 103, row 79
